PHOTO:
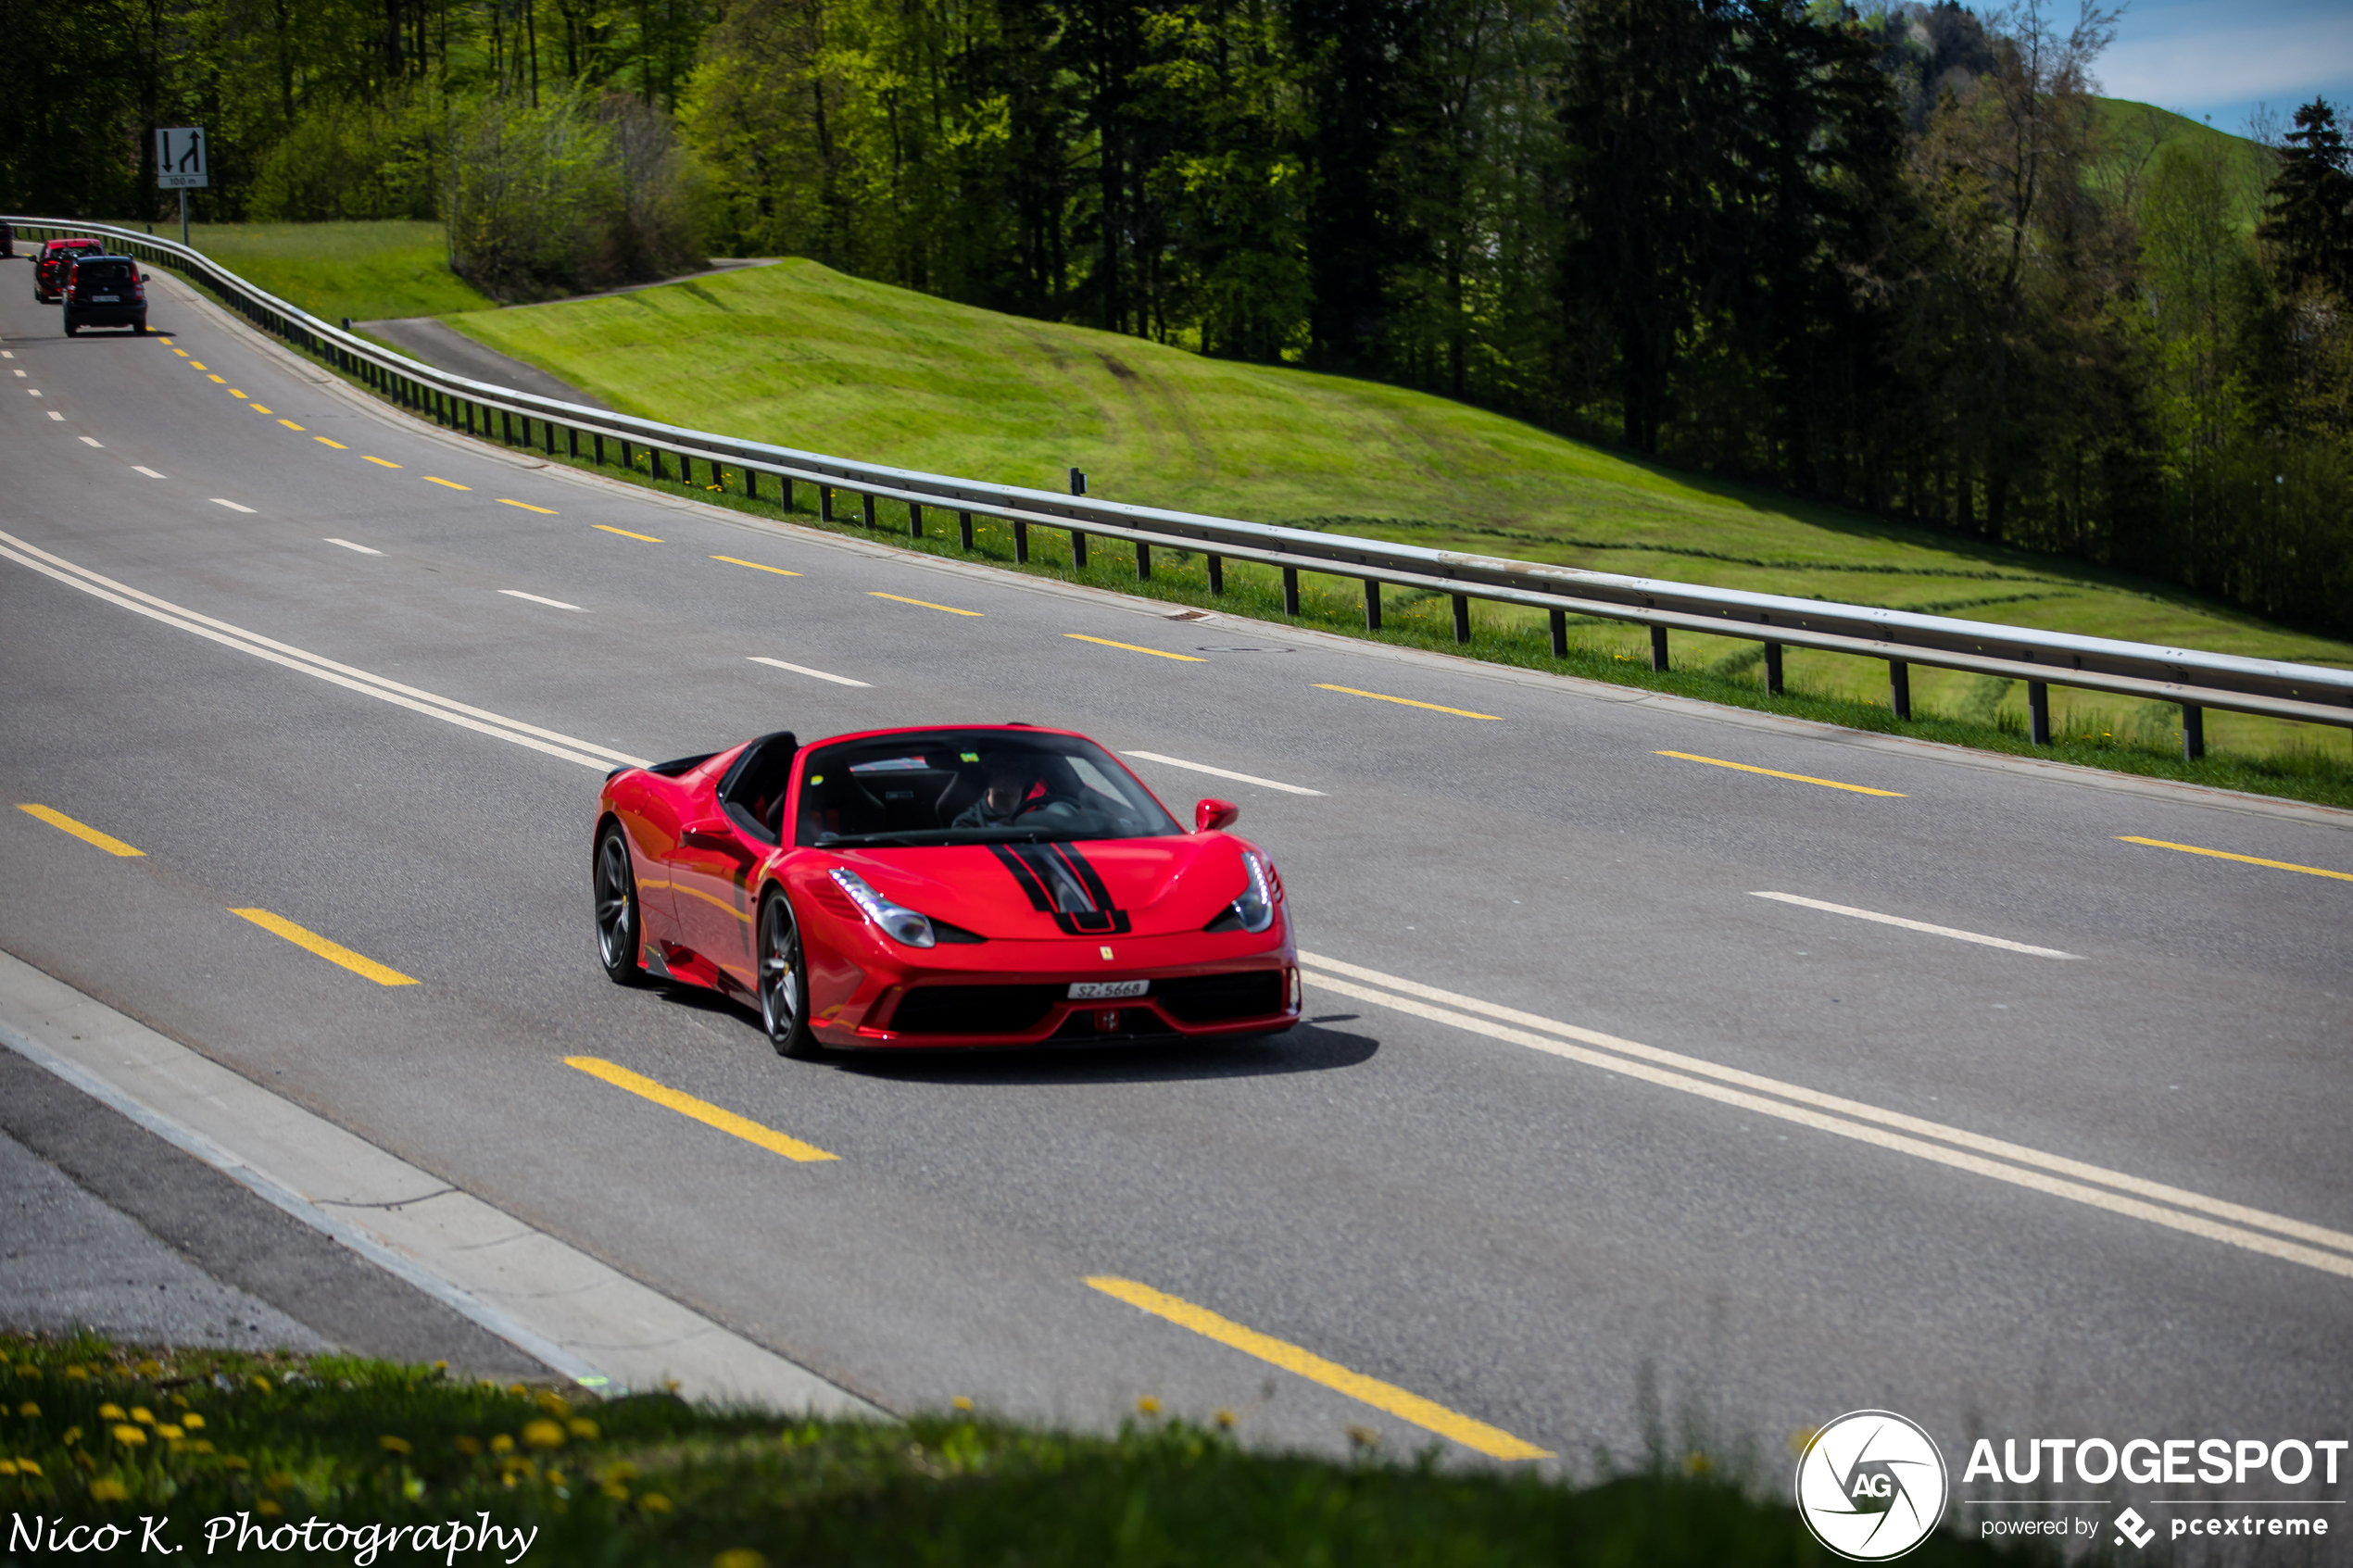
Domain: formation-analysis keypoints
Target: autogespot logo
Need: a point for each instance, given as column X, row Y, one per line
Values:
column 1872, row 1486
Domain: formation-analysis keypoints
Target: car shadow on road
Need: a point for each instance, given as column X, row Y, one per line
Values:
column 1312, row 1045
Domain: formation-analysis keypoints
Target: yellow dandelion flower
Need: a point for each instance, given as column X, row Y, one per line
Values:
column 582, row 1428
column 261, row 1384
column 961, row 1401
column 26, row 1467
column 1149, row 1405
column 393, row 1445
column 168, row 1431
column 26, row 1369
column 193, row 1422
column 181, row 1400
column 236, row 1462
column 543, row 1434
column 502, row 1444
column 268, row 1508
column 517, row 1389
column 277, row 1480
column 73, row 1436
column 77, row 1374
column 553, row 1403
column 200, row 1447
column 151, row 1369
column 555, row 1477
column 106, row 1488
column 111, row 1413
column 654, row 1502
column 143, row 1415
column 469, row 1447
column 8, row 1467
column 27, row 1410
column 131, row 1436
column 616, row 1490
column 621, row 1471
column 1697, row 1464
column 739, row 1557
column 1224, row 1420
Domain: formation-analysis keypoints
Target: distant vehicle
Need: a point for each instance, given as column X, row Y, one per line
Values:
column 104, row 290
column 7, row 240
column 49, row 267
column 980, row 886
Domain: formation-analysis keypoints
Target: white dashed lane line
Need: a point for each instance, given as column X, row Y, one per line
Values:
column 1917, row 925
column 55, row 415
column 232, row 506
column 552, row 604
column 804, row 669
column 91, row 440
column 349, row 545
column 1222, row 772
column 151, row 473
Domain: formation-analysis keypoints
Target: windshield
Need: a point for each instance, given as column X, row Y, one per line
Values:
column 971, row 786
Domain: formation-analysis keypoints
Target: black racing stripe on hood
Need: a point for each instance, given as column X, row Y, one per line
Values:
column 1038, row 866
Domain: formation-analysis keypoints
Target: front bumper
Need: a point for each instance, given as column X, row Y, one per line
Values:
column 1205, row 1000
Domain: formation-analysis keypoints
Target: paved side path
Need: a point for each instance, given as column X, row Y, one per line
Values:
column 443, row 347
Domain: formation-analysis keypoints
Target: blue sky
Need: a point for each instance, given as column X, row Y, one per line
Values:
column 2209, row 58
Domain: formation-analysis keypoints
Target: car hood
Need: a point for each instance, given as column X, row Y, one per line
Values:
column 1143, row 886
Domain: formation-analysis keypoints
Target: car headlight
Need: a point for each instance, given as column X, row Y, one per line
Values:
column 1254, row 910
column 898, row 921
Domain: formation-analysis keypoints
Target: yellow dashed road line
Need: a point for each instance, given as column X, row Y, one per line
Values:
column 2226, row 855
column 526, row 506
column 1131, row 647
column 1409, row 702
column 710, row 1115
column 449, row 484
column 336, row 444
column 82, row 830
column 333, row 953
column 380, row 462
column 609, row 529
column 1776, row 773
column 926, row 603
column 779, row 570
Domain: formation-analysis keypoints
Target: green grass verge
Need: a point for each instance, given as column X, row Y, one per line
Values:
column 366, row 271
column 2088, row 729
column 94, row 1436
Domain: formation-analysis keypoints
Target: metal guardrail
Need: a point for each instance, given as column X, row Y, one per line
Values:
column 2193, row 680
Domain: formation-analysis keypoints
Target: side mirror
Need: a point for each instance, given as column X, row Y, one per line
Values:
column 1211, row 816
column 143, row 277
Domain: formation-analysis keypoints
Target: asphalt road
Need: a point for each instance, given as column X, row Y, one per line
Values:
column 1527, row 1238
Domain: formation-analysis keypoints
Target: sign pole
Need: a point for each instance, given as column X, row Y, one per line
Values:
column 184, row 215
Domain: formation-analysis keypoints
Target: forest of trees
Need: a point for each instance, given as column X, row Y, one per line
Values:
column 1902, row 260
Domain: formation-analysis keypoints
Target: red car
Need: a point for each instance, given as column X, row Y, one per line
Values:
column 49, row 267
column 986, row 886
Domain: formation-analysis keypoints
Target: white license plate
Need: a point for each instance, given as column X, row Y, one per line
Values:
column 1101, row 990
column 106, row 299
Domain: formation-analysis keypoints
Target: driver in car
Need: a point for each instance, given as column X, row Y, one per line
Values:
column 1014, row 792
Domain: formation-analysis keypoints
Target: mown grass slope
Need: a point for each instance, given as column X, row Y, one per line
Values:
column 365, row 270
column 803, row 355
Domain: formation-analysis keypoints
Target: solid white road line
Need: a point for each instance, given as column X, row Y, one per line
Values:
column 1223, row 772
column 554, row 743
column 349, row 545
column 579, row 1316
column 91, row 440
column 231, row 504
column 1919, row 925
column 804, row 669
column 553, row 604
column 1633, row 1059
column 149, row 472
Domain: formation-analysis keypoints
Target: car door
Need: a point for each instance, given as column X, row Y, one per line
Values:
column 710, row 899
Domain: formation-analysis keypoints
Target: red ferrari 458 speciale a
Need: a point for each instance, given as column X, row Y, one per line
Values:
column 994, row 885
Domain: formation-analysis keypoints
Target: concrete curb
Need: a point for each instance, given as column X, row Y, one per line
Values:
column 574, row 1314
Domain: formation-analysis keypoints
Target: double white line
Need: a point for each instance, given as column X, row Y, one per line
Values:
column 2176, row 1208
column 514, row 730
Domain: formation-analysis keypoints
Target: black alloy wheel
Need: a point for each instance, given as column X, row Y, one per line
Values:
column 783, row 981
column 618, row 928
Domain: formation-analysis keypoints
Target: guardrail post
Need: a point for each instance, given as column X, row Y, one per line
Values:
column 1899, row 688
column 2192, row 732
column 1077, row 549
column 653, row 462
column 506, row 428
column 964, row 528
column 1462, row 618
column 1290, row 590
column 1372, row 604
column 572, row 440
column 915, row 519
column 1144, row 561
column 2038, row 713
column 867, row 509
column 1772, row 668
column 1216, row 575
column 1559, row 619
column 825, row 503
column 752, row 484
column 628, row 457
column 600, row 439
column 549, row 432
column 1658, row 648
column 784, row 491
column 1021, row 541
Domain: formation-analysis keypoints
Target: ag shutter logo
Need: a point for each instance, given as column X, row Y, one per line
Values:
column 1872, row 1486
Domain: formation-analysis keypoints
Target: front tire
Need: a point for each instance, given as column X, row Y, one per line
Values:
column 619, row 918
column 73, row 327
column 783, row 981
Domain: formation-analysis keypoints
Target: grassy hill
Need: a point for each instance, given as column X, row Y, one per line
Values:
column 2137, row 134
column 806, row 357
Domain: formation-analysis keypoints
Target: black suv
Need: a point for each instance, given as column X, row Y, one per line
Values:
column 105, row 291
